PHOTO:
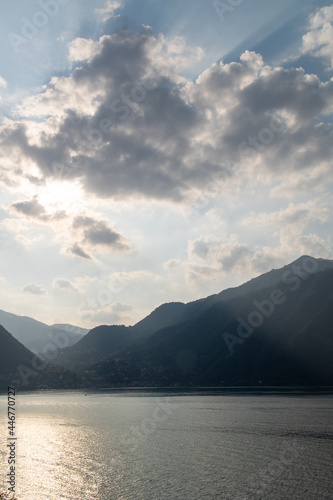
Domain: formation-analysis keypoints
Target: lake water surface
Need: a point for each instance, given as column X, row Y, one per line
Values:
column 137, row 445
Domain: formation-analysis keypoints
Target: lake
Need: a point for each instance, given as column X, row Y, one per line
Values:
column 171, row 445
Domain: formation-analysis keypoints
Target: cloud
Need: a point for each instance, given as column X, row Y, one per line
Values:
column 297, row 183
column 124, row 277
column 99, row 234
column 92, row 234
column 34, row 289
column 81, row 49
column 28, row 241
column 119, row 307
column 32, row 209
column 104, row 317
column 109, row 9
column 138, row 129
column 214, row 258
column 77, row 251
column 202, row 247
column 227, row 256
column 312, row 244
column 300, row 215
column 15, row 225
column 3, row 82
column 64, row 284
column 172, row 264
column 109, row 314
column 196, row 274
column 319, row 40
column 233, row 256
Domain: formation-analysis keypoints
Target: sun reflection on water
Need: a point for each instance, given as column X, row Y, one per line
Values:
column 52, row 454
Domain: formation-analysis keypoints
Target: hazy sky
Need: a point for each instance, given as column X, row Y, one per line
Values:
column 155, row 151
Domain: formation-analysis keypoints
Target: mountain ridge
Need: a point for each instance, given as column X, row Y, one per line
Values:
column 34, row 334
column 22, row 369
column 190, row 346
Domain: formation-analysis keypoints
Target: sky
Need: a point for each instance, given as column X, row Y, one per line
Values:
column 156, row 151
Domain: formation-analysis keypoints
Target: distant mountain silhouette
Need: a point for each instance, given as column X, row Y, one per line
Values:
column 12, row 352
column 94, row 346
column 77, row 331
column 35, row 335
column 275, row 330
column 104, row 339
column 22, row 369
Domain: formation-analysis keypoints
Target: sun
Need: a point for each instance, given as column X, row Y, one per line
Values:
column 61, row 195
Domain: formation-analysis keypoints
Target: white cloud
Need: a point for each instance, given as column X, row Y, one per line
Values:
column 81, row 49
column 299, row 215
column 15, row 225
column 299, row 182
column 216, row 258
column 319, row 40
column 119, row 307
column 321, row 17
column 210, row 258
column 28, row 241
column 312, row 244
column 124, row 277
column 3, row 82
column 109, row 9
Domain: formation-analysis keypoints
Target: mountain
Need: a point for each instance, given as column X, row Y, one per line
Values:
column 35, row 335
column 249, row 339
column 12, row 352
column 162, row 316
column 104, row 339
column 275, row 329
column 94, row 346
column 20, row 368
column 80, row 332
column 270, row 279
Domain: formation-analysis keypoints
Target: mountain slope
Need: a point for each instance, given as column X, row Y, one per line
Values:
column 102, row 340
column 12, row 352
column 94, row 346
column 20, row 368
column 162, row 316
column 275, row 329
column 294, row 344
column 270, row 279
column 33, row 334
column 80, row 332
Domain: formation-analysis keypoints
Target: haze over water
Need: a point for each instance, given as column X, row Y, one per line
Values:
column 150, row 445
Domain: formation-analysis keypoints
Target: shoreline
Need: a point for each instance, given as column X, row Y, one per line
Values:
column 197, row 391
